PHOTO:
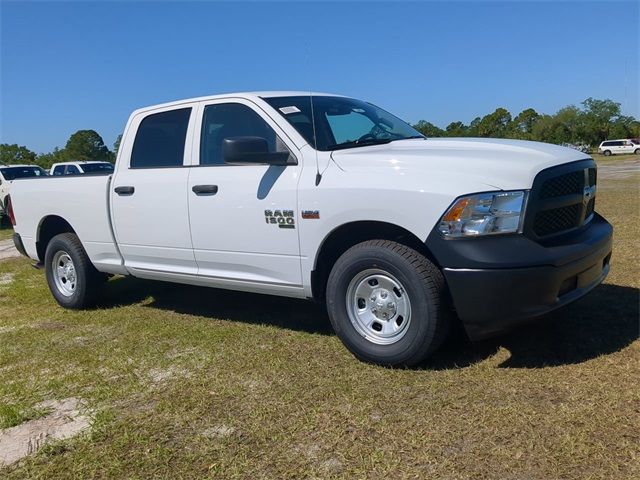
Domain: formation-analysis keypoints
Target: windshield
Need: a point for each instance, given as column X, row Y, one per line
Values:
column 11, row 173
column 97, row 167
column 341, row 122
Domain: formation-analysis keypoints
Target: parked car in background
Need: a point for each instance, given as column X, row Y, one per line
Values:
column 8, row 173
column 333, row 199
column 581, row 147
column 80, row 168
column 617, row 147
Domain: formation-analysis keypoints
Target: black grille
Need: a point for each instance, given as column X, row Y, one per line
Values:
column 556, row 201
column 556, row 220
column 567, row 184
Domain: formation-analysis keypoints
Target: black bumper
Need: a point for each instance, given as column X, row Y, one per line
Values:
column 17, row 241
column 498, row 282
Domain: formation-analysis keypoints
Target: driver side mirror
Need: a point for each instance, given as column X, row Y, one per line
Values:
column 251, row 150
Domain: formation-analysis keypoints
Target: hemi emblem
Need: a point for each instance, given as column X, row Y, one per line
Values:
column 311, row 214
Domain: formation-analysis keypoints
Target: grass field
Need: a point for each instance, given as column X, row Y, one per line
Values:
column 5, row 231
column 184, row 382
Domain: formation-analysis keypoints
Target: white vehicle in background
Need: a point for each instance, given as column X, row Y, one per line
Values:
column 8, row 173
column 80, row 168
column 581, row 147
column 328, row 198
column 618, row 147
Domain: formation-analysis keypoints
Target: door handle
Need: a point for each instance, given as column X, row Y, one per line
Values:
column 124, row 190
column 205, row 190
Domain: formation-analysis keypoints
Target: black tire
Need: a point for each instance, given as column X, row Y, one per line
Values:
column 607, row 153
column 87, row 278
column 421, row 280
column 637, row 151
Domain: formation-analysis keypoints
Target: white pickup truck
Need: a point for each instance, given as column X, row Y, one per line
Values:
column 328, row 198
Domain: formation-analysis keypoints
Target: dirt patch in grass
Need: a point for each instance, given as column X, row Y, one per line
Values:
column 66, row 418
column 7, row 249
column 618, row 170
column 218, row 431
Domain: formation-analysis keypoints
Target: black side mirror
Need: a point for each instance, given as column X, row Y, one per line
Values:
column 251, row 150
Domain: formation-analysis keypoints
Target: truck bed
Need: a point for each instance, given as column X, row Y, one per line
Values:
column 82, row 201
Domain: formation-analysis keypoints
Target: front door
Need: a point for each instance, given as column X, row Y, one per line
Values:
column 243, row 217
column 149, row 194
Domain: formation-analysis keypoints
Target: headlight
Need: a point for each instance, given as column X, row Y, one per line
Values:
column 484, row 214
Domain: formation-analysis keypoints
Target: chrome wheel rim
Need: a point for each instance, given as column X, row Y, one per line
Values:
column 64, row 273
column 378, row 306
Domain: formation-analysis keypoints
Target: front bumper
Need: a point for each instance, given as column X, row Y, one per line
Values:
column 498, row 282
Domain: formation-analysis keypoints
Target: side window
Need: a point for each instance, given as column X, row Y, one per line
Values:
column 226, row 120
column 72, row 170
column 160, row 140
column 59, row 170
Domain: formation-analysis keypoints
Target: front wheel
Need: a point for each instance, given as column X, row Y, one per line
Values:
column 387, row 303
column 73, row 280
column 637, row 151
column 607, row 153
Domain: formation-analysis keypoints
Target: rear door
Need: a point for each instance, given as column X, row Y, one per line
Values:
column 149, row 200
column 243, row 217
column 627, row 147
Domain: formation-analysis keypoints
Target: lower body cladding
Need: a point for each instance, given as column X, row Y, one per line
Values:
column 499, row 282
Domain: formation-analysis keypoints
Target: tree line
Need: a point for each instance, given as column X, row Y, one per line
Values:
column 82, row 145
column 591, row 123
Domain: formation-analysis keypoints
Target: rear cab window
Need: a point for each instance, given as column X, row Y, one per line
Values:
column 160, row 140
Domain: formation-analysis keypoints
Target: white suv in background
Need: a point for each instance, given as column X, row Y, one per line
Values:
column 624, row 145
column 79, row 168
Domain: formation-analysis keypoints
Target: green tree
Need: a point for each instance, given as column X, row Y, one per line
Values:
column 86, row 145
column 45, row 160
column 599, row 116
column 15, row 154
column 457, row 129
column 428, row 129
column 495, row 124
column 474, row 126
column 522, row 125
column 116, row 146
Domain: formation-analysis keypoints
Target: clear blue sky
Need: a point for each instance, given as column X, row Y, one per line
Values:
column 69, row 66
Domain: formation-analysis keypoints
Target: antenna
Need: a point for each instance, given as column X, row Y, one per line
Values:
column 315, row 139
column 313, row 116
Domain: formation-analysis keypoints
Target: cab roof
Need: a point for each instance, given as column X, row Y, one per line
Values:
column 258, row 95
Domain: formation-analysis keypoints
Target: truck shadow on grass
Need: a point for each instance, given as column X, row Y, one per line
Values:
column 604, row 322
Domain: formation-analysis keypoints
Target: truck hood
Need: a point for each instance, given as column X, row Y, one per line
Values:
column 496, row 163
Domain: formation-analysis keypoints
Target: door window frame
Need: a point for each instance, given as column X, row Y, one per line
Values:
column 124, row 157
column 197, row 132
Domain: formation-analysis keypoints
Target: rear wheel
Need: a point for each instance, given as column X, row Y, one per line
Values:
column 387, row 303
column 607, row 153
column 73, row 280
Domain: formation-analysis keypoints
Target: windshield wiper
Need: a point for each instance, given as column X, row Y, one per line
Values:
column 408, row 138
column 359, row 143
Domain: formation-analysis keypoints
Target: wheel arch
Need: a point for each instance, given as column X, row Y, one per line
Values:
column 49, row 227
column 345, row 236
